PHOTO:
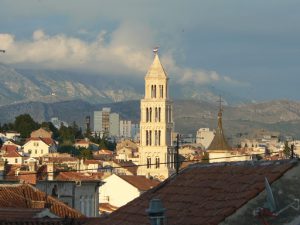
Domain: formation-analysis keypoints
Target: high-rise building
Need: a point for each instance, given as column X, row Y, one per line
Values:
column 125, row 128
column 106, row 123
column 156, row 126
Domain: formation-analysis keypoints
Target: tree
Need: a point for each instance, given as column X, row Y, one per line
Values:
column 66, row 135
column 287, row 150
column 24, row 124
column 85, row 153
column 49, row 126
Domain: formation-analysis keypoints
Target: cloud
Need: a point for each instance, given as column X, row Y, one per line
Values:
column 127, row 50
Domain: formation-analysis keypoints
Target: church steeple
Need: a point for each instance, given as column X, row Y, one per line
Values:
column 156, row 125
column 219, row 142
column 156, row 70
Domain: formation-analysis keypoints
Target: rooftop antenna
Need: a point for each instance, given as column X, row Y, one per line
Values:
column 270, row 208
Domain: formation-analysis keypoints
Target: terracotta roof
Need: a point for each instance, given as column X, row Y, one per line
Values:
column 75, row 176
column 19, row 213
column 48, row 141
column 92, row 161
column 60, row 159
column 26, row 196
column 107, row 208
column 12, row 153
column 128, row 165
column 43, row 221
column 82, row 141
column 103, row 152
column 202, row 193
column 140, row 182
column 9, row 148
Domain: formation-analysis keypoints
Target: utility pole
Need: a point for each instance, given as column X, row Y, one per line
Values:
column 177, row 153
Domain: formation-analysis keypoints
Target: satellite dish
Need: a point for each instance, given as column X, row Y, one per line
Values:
column 270, row 204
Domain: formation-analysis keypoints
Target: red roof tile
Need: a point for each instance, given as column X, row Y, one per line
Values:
column 75, row 176
column 202, row 194
column 26, row 196
column 48, row 141
column 140, row 182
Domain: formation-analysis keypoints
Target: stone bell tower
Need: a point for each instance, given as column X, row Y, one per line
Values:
column 156, row 125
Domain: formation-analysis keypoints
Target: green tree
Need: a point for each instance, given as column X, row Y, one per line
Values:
column 68, row 149
column 49, row 126
column 85, row 153
column 24, row 124
column 287, row 150
column 66, row 135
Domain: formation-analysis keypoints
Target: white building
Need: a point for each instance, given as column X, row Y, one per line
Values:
column 114, row 124
column 131, row 186
column 204, row 137
column 156, row 126
column 37, row 147
column 125, row 128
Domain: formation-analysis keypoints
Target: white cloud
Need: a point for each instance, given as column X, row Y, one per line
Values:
column 127, row 50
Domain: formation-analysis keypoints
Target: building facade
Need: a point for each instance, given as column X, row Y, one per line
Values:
column 156, row 126
column 106, row 122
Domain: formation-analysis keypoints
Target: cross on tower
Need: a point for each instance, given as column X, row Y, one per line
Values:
column 220, row 103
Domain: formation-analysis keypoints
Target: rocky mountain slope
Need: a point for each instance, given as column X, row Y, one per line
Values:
column 25, row 85
column 189, row 115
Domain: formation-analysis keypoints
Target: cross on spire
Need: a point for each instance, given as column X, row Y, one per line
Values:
column 220, row 103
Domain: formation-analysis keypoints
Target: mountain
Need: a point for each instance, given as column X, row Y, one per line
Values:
column 189, row 115
column 26, row 85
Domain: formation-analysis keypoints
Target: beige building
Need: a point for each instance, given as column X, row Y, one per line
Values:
column 41, row 133
column 37, row 147
column 156, row 126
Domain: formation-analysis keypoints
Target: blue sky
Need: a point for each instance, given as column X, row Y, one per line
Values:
column 249, row 47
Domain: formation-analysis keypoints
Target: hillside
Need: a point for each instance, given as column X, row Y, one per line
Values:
column 26, row 85
column 189, row 115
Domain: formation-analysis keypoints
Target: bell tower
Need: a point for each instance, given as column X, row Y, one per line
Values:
column 156, row 149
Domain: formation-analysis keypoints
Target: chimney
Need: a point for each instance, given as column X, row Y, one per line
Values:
column 156, row 212
column 50, row 171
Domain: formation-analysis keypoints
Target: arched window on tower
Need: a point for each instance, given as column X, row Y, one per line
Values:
column 150, row 114
column 156, row 114
column 150, row 137
column 159, row 112
column 154, row 91
column 157, row 162
column 161, row 91
column 147, row 137
column 147, row 114
column 155, row 137
column 148, row 162
column 159, row 137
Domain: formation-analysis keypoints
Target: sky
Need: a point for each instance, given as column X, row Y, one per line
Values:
column 249, row 47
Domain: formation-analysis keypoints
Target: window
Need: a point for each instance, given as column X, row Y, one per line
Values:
column 148, row 162
column 159, row 134
column 147, row 114
column 157, row 162
column 16, row 160
column 161, row 91
column 159, row 111
column 35, row 151
column 150, row 137
column 150, row 114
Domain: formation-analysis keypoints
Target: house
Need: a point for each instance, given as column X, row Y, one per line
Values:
column 9, row 135
column 86, row 143
column 118, row 190
column 78, row 190
column 25, row 198
column 11, row 154
column 39, row 146
column 41, row 133
column 221, row 193
column 127, row 151
column 103, row 154
column 89, row 165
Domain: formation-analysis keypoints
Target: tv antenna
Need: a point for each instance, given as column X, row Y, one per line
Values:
column 270, row 208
